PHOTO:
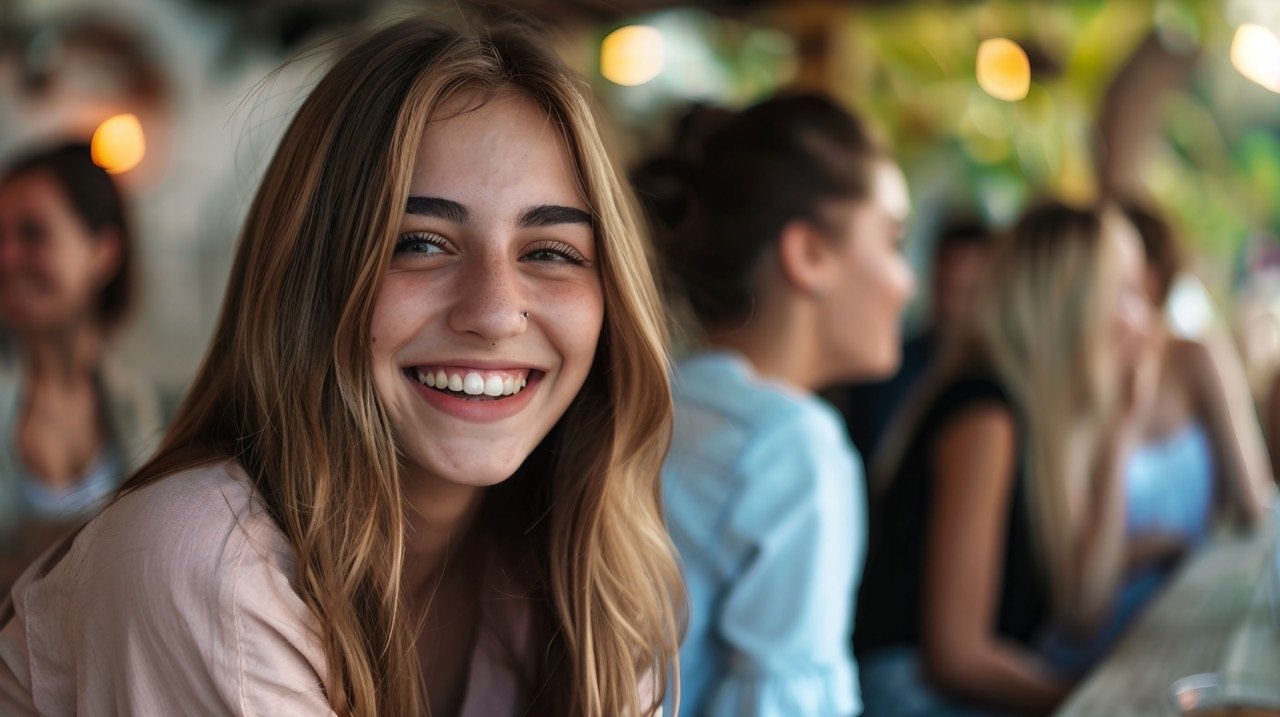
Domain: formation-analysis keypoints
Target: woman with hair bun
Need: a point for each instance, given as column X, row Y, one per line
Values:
column 791, row 262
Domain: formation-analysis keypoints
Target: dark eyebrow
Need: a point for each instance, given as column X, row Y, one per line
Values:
column 436, row 207
column 545, row 215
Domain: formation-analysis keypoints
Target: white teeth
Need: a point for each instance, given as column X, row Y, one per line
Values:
column 473, row 384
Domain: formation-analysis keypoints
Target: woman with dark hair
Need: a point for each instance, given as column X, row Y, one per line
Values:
column 73, row 420
column 791, row 261
column 418, row 470
column 1202, row 451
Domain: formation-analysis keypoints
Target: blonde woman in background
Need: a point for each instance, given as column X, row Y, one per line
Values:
column 418, row 470
column 1002, row 510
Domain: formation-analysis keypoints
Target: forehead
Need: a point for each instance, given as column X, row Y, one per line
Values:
column 34, row 191
column 498, row 150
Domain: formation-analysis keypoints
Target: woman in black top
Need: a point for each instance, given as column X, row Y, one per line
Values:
column 999, row 506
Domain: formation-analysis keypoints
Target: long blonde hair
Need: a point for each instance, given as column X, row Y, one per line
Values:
column 1041, row 325
column 286, row 389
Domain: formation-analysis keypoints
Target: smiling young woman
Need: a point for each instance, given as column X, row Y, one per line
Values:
column 419, row 468
column 74, row 419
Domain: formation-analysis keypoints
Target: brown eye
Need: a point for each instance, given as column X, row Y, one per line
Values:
column 556, row 252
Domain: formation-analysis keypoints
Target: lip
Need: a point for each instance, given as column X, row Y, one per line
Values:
column 479, row 365
column 479, row 411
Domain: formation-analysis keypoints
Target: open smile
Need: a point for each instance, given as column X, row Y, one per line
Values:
column 472, row 383
column 475, row 394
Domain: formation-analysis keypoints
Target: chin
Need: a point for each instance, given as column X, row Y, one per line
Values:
column 878, row 368
column 477, row 467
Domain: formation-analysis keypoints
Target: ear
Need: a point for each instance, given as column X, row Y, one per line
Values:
column 108, row 255
column 805, row 256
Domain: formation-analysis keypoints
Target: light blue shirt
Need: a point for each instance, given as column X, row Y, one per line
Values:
column 766, row 503
column 1169, row 485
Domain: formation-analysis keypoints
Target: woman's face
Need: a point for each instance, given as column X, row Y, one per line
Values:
column 491, row 308
column 862, row 314
column 51, row 267
column 1132, row 314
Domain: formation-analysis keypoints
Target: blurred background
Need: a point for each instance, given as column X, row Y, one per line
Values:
column 986, row 104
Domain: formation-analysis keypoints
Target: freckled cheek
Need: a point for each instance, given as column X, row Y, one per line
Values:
column 572, row 314
column 401, row 312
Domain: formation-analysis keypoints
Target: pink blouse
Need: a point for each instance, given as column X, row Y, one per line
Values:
column 177, row 599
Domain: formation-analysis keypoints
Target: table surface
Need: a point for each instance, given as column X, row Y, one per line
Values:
column 1215, row 615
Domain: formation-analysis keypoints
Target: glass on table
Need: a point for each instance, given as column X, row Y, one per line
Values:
column 1226, row 694
column 1273, row 567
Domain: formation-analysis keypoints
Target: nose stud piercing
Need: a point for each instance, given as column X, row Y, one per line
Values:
column 524, row 314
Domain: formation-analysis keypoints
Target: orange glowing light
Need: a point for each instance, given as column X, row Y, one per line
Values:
column 632, row 55
column 118, row 144
column 1004, row 71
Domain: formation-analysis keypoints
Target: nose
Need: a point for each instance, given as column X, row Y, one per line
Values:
column 489, row 301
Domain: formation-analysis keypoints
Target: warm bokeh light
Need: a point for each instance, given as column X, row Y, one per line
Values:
column 118, row 144
column 1003, row 69
column 1255, row 51
column 631, row 55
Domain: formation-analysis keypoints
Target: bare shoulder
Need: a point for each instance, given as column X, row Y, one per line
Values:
column 1208, row 370
column 978, row 441
column 1191, row 357
column 982, row 427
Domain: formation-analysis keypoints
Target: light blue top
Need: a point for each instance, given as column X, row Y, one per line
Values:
column 766, row 503
column 1169, row 485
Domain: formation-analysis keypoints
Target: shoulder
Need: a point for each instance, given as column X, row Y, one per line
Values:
column 975, row 453
column 1188, row 352
column 979, row 428
column 804, row 429
column 960, row 398
column 971, row 389
column 726, row 388
column 726, row 385
column 187, row 537
column 1193, row 361
column 1204, row 370
column 179, row 592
